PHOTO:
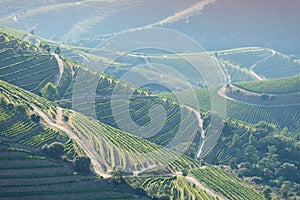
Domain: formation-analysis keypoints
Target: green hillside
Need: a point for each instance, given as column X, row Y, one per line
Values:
column 273, row 86
column 225, row 183
column 124, row 129
column 27, row 175
column 111, row 148
column 27, row 171
column 76, row 83
column 172, row 187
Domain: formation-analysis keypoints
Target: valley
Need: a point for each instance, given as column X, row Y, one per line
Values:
column 118, row 99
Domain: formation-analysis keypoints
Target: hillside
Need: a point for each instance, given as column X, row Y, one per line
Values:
column 272, row 86
column 262, row 63
column 125, row 130
column 99, row 96
column 27, row 171
column 107, row 151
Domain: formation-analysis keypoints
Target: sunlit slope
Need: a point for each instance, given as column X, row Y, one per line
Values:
column 273, row 86
column 92, row 93
column 27, row 175
column 27, row 171
column 24, row 65
column 110, row 147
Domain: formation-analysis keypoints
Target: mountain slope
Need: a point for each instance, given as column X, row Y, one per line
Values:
column 107, row 147
column 98, row 96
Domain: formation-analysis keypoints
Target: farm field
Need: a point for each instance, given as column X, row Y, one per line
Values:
column 25, row 175
column 273, row 86
column 225, row 184
column 81, row 121
column 114, row 149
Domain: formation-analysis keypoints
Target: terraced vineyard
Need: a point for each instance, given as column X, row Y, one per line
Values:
column 252, row 113
column 234, row 139
column 244, row 57
column 19, row 66
column 117, row 149
column 114, row 146
column 176, row 187
column 273, row 86
column 271, row 114
column 278, row 66
column 225, row 184
column 264, row 62
column 26, row 175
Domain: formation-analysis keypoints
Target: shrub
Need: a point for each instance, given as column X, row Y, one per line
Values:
column 21, row 109
column 3, row 102
column 57, row 50
column 54, row 150
column 49, row 91
column 267, row 192
column 11, row 106
column 66, row 118
column 82, row 164
column 35, row 118
column 117, row 176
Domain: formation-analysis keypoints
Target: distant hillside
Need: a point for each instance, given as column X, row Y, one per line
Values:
column 273, row 86
column 262, row 63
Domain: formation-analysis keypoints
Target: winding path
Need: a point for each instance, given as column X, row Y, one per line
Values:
column 260, row 61
column 61, row 68
column 84, row 143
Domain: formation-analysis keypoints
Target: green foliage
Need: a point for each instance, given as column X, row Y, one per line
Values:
column 21, row 109
column 225, row 184
column 45, row 47
column 54, row 150
column 3, row 102
column 49, row 91
column 185, row 172
column 82, row 164
column 10, row 106
column 57, row 50
column 272, row 159
column 117, row 176
column 35, row 118
column 267, row 191
column 273, row 86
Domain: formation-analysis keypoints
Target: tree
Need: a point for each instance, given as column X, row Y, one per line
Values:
column 35, row 118
column 267, row 193
column 21, row 109
column 233, row 164
column 10, row 106
column 185, row 172
column 49, row 91
column 285, row 188
column 289, row 171
column 54, row 150
column 3, row 102
column 117, row 176
column 45, row 47
column 57, row 50
column 82, row 164
column 32, row 32
column 250, row 154
column 293, row 58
